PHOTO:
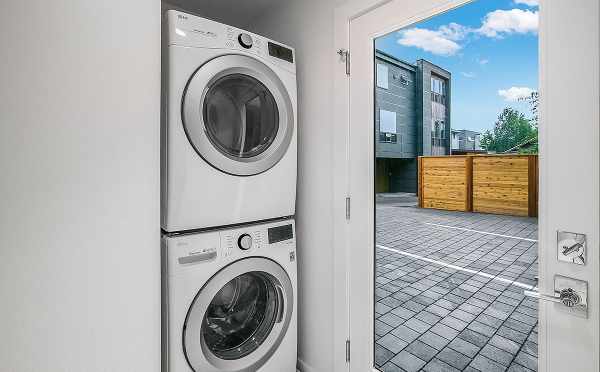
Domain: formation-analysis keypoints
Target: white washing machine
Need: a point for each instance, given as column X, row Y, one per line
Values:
column 228, row 126
column 229, row 300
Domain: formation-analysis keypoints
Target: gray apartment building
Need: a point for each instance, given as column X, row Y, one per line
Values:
column 412, row 118
column 465, row 141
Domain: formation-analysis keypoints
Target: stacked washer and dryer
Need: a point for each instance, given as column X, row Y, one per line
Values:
column 228, row 199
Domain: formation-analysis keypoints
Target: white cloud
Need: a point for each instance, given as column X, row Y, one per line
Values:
column 442, row 41
column 500, row 22
column 483, row 61
column 513, row 94
column 454, row 31
column 469, row 75
column 445, row 40
column 531, row 3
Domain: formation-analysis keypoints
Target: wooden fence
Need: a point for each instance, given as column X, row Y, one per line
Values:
column 502, row 184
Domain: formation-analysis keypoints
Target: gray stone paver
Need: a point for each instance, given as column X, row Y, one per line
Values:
column 431, row 316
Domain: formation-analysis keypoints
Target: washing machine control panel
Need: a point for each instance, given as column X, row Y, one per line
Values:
column 253, row 239
column 187, row 251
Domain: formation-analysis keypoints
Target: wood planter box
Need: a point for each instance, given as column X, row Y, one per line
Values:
column 502, row 184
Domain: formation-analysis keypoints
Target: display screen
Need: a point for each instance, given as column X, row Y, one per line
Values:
column 281, row 52
column 280, row 233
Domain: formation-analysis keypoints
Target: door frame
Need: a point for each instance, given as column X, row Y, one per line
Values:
column 342, row 201
column 343, row 16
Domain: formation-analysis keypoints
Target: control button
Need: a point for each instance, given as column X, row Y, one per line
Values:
column 245, row 241
column 245, row 40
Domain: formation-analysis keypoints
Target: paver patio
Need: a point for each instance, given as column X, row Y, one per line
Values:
column 449, row 291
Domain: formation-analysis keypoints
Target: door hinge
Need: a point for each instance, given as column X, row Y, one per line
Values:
column 348, row 208
column 345, row 55
column 347, row 351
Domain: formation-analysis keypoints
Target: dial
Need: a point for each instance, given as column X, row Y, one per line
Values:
column 245, row 40
column 245, row 241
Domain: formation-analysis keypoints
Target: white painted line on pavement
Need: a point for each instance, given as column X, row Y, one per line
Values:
column 480, row 232
column 463, row 269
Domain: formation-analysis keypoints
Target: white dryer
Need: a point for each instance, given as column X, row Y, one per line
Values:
column 229, row 300
column 228, row 126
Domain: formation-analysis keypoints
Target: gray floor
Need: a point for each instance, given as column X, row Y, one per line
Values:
column 449, row 296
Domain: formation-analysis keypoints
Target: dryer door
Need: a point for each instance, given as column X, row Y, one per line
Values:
column 240, row 316
column 238, row 115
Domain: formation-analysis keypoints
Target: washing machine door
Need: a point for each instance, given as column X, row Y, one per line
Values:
column 238, row 115
column 239, row 318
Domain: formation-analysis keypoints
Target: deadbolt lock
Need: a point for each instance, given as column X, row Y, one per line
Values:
column 571, row 247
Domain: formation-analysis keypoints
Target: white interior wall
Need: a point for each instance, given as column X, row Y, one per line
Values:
column 79, row 158
column 232, row 12
column 308, row 26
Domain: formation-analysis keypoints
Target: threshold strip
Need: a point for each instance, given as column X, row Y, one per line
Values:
column 481, row 232
column 459, row 268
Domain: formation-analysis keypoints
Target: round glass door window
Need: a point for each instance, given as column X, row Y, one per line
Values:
column 241, row 116
column 241, row 315
column 238, row 115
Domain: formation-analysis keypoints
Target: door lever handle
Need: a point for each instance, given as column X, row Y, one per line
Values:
column 570, row 292
column 567, row 297
column 542, row 296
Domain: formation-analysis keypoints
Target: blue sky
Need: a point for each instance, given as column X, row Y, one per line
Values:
column 491, row 49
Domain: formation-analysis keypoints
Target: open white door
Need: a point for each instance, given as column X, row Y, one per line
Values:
column 569, row 168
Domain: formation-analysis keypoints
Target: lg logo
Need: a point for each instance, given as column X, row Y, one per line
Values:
column 181, row 16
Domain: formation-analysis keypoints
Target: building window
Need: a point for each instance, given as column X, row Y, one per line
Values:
column 438, row 129
column 438, row 86
column 382, row 76
column 387, row 126
column 388, row 137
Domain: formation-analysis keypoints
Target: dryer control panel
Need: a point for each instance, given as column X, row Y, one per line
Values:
column 192, row 31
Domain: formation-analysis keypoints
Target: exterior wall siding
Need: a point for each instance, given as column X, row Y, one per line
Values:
column 398, row 98
column 424, row 71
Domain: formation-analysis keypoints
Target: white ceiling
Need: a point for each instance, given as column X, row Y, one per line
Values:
column 238, row 13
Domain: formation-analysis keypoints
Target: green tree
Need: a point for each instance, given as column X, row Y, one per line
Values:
column 534, row 102
column 511, row 129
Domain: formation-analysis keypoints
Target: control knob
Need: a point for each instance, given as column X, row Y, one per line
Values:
column 245, row 40
column 245, row 241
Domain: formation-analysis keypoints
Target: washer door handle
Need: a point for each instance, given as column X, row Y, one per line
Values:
column 280, row 304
